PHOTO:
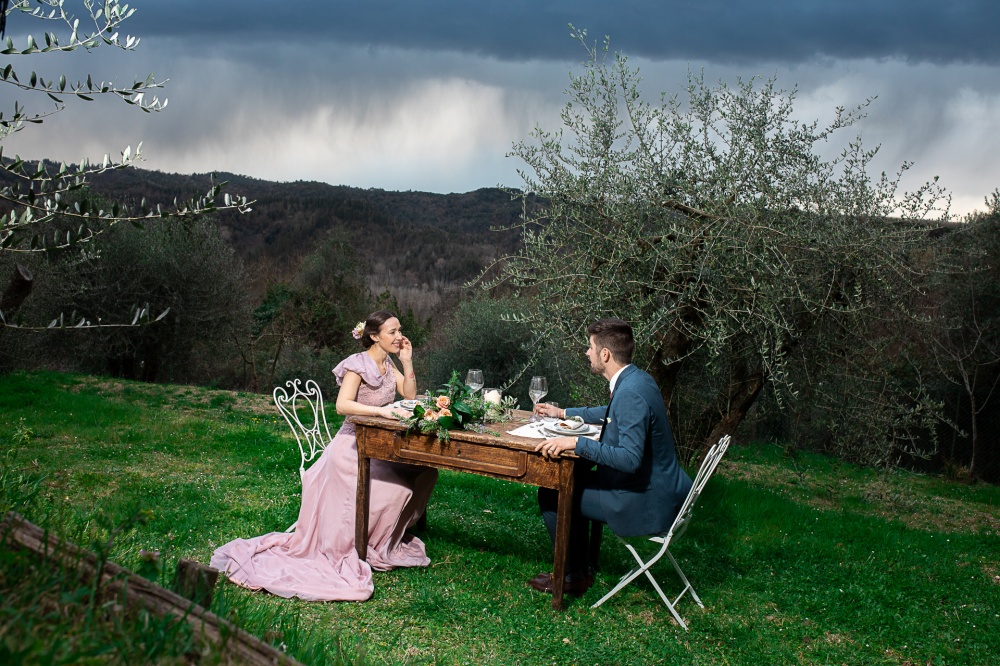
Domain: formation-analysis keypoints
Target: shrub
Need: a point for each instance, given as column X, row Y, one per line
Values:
column 485, row 334
column 187, row 269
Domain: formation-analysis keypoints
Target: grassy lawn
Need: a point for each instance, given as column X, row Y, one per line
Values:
column 798, row 559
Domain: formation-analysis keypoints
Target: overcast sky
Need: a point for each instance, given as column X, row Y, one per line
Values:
column 430, row 95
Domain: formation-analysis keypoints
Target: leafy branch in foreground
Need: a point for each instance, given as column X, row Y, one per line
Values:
column 46, row 207
column 140, row 316
column 43, row 196
column 105, row 19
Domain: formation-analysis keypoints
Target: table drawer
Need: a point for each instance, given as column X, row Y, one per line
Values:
column 455, row 454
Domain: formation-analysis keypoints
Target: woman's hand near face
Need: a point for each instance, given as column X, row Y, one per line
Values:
column 405, row 349
column 406, row 383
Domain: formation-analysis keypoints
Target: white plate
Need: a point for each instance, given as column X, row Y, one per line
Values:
column 408, row 405
column 562, row 432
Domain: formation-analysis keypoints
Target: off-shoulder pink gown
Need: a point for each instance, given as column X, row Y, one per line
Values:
column 318, row 561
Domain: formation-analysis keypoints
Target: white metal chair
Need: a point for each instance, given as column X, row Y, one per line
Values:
column 666, row 538
column 313, row 436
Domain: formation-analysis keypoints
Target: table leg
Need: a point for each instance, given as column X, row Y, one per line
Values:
column 564, row 517
column 362, row 500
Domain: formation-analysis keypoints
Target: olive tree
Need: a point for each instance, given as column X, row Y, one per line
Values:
column 44, row 206
column 713, row 224
column 188, row 269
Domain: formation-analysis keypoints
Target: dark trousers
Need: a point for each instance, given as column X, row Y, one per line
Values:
column 586, row 508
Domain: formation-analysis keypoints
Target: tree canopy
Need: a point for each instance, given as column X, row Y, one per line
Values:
column 712, row 222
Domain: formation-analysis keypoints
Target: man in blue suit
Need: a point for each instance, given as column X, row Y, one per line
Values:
column 638, row 485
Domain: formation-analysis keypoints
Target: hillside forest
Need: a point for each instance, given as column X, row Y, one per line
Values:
column 777, row 293
column 255, row 300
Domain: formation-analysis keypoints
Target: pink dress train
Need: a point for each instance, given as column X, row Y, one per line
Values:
column 318, row 561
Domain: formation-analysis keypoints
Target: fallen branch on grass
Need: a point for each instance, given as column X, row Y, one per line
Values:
column 137, row 593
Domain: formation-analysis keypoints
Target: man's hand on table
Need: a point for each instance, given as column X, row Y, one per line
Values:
column 553, row 448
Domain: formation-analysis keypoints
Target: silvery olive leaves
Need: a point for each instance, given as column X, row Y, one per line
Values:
column 715, row 224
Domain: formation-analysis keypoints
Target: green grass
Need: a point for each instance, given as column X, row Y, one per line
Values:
column 798, row 559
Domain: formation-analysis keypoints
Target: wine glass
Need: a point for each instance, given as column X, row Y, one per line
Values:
column 538, row 389
column 474, row 379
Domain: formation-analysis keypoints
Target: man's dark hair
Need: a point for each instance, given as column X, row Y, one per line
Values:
column 616, row 336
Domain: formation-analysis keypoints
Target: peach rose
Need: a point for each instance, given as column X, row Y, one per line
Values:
column 443, row 401
column 431, row 415
column 444, row 412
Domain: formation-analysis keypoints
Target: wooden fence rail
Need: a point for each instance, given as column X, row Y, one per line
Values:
column 138, row 593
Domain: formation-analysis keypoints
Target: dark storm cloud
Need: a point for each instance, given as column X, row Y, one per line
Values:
column 941, row 31
column 431, row 95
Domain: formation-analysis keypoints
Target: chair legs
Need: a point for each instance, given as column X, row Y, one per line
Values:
column 643, row 568
column 687, row 583
column 708, row 465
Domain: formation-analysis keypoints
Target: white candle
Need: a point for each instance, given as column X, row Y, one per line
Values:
column 492, row 396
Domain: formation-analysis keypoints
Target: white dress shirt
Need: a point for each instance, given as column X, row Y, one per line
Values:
column 614, row 379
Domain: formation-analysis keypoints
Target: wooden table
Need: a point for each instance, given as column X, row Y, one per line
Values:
column 505, row 457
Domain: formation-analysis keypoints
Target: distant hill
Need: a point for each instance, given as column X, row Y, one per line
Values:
column 414, row 240
column 419, row 237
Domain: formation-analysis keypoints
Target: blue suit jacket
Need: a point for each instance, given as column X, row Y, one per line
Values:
column 642, row 484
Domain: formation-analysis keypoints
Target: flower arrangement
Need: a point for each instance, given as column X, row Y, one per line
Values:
column 455, row 406
column 358, row 330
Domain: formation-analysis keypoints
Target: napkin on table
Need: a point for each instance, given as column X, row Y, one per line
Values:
column 534, row 431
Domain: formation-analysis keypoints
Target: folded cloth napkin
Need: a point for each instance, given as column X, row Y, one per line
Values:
column 532, row 430
column 570, row 426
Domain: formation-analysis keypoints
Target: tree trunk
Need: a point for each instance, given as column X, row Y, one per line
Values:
column 195, row 581
column 673, row 345
column 17, row 290
column 744, row 387
column 975, row 434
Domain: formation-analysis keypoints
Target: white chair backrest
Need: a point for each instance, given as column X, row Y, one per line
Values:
column 708, row 466
column 313, row 435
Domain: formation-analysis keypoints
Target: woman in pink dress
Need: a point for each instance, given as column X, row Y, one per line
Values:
column 318, row 561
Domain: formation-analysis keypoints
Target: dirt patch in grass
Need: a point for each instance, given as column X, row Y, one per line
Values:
column 182, row 397
column 833, row 639
column 646, row 617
